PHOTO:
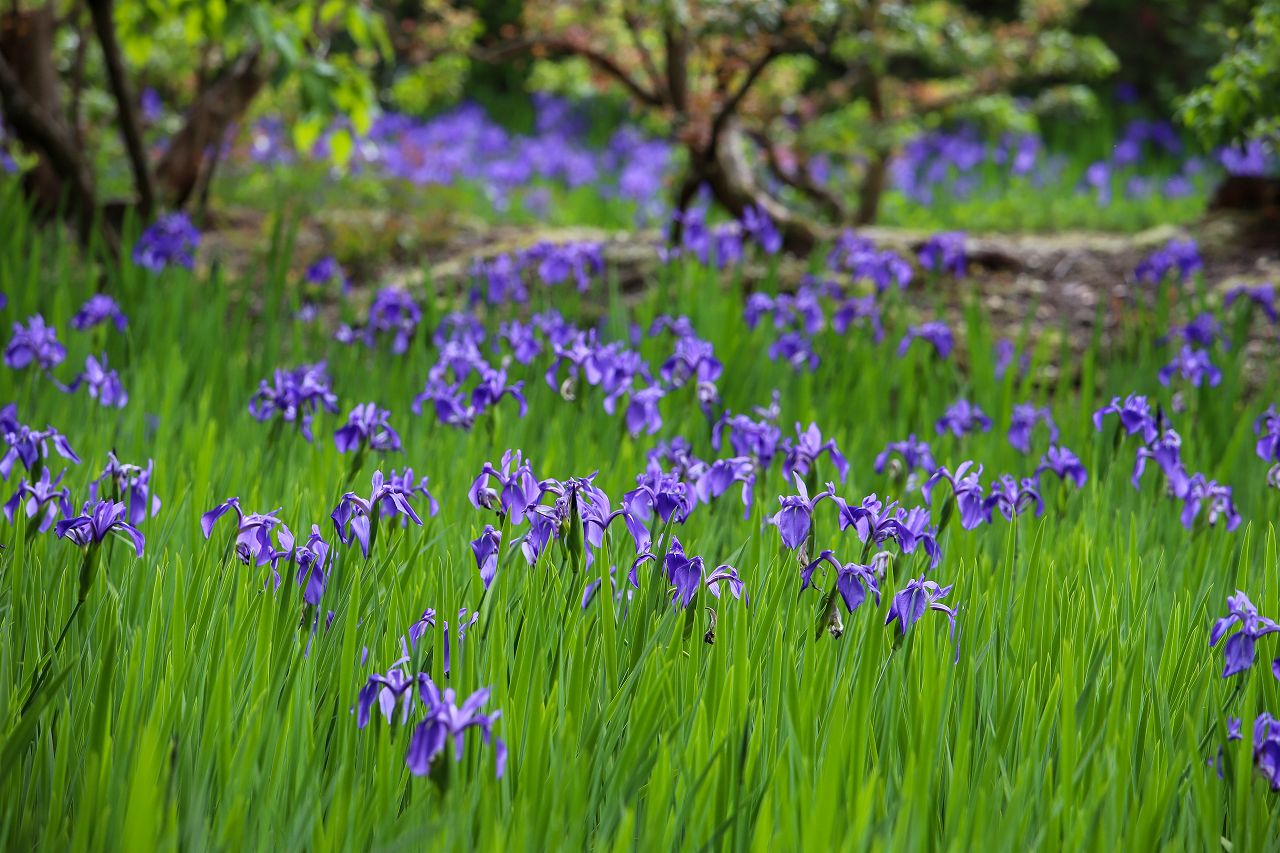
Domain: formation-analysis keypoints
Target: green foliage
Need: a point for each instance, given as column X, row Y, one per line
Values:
column 1241, row 100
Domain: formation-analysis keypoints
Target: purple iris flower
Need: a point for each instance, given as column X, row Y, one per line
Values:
column 462, row 327
column 103, row 384
column 863, row 261
column 517, row 488
column 354, row 516
column 97, row 310
column 858, row 309
column 759, row 226
column 680, row 327
column 1165, row 451
column 795, row 517
column 727, row 575
column 253, row 542
column 367, row 428
column 657, row 493
column 485, row 549
column 935, row 333
column 393, row 313
column 296, row 395
column 30, row 447
column 915, row 455
column 120, row 481
column 804, row 452
column 404, row 485
column 758, row 440
column 1178, row 257
column 36, row 343
column 1200, row 492
column 963, row 418
column 1065, row 464
column 395, row 689
column 1135, row 416
column 643, row 415
column 914, row 532
column 311, row 557
column 715, row 479
column 1263, row 296
column 445, row 720
column 1192, row 365
column 544, row 525
column 871, row 519
column 524, row 343
column 915, row 598
column 693, row 359
column 1005, row 351
column 492, row 387
column 796, row 350
column 326, row 271
column 43, row 494
column 96, row 522
column 944, row 252
column 1267, row 428
column 1025, row 417
column 1011, row 496
column 171, row 239
column 853, row 580
column 1202, row 331
column 1239, row 649
column 683, row 573
column 966, row 489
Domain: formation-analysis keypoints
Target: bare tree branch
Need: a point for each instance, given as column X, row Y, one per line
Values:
column 646, row 57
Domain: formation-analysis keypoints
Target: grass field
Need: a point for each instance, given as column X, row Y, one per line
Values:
column 193, row 704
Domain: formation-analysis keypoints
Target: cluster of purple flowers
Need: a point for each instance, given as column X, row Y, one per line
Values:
column 1200, row 496
column 294, row 396
column 1179, row 259
column 171, row 239
column 393, row 314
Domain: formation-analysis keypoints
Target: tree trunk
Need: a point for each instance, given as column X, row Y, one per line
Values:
column 873, row 184
column 29, row 98
column 215, row 109
column 735, row 188
column 126, row 106
column 26, row 44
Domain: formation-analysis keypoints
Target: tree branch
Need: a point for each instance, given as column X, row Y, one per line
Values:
column 730, row 105
column 126, row 110
column 558, row 46
column 646, row 58
column 34, row 125
column 800, row 180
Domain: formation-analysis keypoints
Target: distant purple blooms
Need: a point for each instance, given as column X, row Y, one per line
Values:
column 121, row 481
column 966, row 490
column 97, row 310
column 805, row 450
column 367, row 428
column 1192, row 366
column 171, row 239
column 1136, row 417
column 1010, row 497
column 325, row 272
column 1065, row 464
column 28, row 446
column 44, row 495
column 944, row 252
column 1262, row 296
column 1025, row 417
column 311, row 557
column 963, row 418
column 935, row 333
column 295, row 396
column 102, row 383
column 915, row 454
column 35, row 343
column 445, row 721
column 355, row 517
column 1178, row 258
